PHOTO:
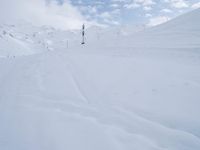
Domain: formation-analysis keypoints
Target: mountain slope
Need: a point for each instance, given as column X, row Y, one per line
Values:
column 24, row 39
column 104, row 95
column 181, row 32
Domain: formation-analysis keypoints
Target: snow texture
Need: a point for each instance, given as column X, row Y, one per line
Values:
column 125, row 89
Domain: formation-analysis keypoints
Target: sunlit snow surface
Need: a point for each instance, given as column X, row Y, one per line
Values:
column 138, row 91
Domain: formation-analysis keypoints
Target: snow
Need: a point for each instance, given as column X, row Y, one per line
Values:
column 131, row 91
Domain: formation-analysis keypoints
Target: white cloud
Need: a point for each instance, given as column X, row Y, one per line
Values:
column 166, row 10
column 196, row 5
column 178, row 3
column 116, row 12
column 111, row 22
column 115, row 5
column 109, row 17
column 148, row 15
column 145, row 2
column 147, row 8
column 106, row 15
column 91, row 9
column 119, row 0
column 158, row 20
column 131, row 6
column 38, row 12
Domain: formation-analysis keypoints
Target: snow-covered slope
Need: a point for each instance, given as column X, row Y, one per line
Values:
column 182, row 32
column 95, row 34
column 117, row 93
column 12, row 45
column 24, row 39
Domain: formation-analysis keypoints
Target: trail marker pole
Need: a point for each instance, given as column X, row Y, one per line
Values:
column 83, row 34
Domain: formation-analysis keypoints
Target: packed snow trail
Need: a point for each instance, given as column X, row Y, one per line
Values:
column 93, row 97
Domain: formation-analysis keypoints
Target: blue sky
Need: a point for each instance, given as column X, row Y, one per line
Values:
column 71, row 14
column 116, row 12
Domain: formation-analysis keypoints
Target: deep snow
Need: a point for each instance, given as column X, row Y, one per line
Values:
column 126, row 91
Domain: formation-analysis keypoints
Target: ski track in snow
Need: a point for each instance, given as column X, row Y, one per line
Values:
column 111, row 117
column 129, row 123
column 73, row 75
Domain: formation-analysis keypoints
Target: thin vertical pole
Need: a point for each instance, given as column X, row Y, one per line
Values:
column 83, row 34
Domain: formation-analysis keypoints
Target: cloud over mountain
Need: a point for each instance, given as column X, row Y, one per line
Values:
column 41, row 12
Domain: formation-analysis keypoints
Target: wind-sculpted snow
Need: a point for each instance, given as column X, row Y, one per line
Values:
column 57, row 95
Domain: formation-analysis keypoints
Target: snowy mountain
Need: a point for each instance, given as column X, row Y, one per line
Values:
column 182, row 32
column 133, row 91
column 26, row 39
